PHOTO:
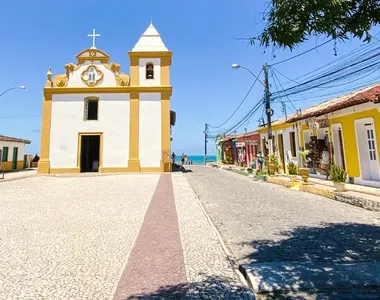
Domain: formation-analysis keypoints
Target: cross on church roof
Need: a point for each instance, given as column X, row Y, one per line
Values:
column 93, row 35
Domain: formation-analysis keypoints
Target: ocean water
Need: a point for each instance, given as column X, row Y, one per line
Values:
column 197, row 159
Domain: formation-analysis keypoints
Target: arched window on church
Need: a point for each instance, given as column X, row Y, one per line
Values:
column 149, row 71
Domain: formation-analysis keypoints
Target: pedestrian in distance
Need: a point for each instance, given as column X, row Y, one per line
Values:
column 173, row 158
column 260, row 160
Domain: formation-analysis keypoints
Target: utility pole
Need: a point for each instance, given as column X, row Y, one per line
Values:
column 268, row 109
column 206, row 130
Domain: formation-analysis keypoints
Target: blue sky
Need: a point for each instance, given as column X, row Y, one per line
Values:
column 39, row 34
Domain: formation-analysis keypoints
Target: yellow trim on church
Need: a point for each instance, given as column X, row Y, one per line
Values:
column 134, row 133
column 108, row 90
column 131, row 85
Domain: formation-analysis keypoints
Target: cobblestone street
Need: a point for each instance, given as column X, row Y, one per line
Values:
column 148, row 237
column 267, row 223
column 110, row 237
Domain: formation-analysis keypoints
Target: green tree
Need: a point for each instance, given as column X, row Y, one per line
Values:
column 291, row 22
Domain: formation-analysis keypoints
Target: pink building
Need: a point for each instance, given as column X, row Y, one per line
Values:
column 247, row 147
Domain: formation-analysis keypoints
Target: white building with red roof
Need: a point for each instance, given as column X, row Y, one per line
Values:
column 12, row 153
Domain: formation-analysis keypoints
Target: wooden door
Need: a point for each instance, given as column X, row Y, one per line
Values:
column 14, row 158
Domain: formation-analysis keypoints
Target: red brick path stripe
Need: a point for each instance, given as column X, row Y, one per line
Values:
column 156, row 259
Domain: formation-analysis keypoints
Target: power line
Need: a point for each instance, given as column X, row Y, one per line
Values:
column 344, row 72
column 19, row 117
column 300, row 54
column 328, row 87
column 245, row 118
column 357, row 53
column 333, row 94
column 274, row 80
column 241, row 103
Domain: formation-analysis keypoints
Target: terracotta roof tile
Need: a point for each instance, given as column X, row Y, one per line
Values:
column 241, row 135
column 13, row 139
column 368, row 94
column 279, row 121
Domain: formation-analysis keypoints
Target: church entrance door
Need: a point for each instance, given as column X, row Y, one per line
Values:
column 89, row 154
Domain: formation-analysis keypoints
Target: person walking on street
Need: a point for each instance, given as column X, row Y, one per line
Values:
column 173, row 158
column 260, row 160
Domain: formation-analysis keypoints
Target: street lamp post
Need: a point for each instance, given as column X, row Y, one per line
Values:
column 268, row 109
column 236, row 66
column 21, row 87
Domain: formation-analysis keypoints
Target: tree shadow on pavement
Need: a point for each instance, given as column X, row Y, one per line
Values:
column 180, row 168
column 212, row 287
column 332, row 258
column 330, row 243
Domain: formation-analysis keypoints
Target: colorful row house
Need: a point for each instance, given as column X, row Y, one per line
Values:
column 224, row 149
column 344, row 131
column 238, row 149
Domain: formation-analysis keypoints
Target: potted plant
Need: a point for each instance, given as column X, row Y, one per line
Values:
column 303, row 170
column 293, row 171
column 338, row 176
column 252, row 164
column 256, row 174
column 264, row 175
column 272, row 164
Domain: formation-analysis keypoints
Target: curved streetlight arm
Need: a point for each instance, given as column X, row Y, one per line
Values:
column 258, row 79
column 13, row 88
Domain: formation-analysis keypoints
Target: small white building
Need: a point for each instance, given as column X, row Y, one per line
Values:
column 12, row 153
column 97, row 119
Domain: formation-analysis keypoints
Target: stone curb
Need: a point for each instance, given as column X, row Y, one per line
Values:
column 361, row 202
column 358, row 201
column 281, row 277
column 18, row 178
column 231, row 260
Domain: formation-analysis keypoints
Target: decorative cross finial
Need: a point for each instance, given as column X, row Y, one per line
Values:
column 93, row 35
column 151, row 21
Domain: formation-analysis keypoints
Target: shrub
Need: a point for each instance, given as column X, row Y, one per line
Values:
column 337, row 173
column 292, row 168
column 302, row 158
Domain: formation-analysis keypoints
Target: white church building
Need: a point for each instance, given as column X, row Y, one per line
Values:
column 97, row 119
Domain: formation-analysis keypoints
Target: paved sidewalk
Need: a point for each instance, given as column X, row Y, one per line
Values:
column 361, row 196
column 349, row 187
column 368, row 199
column 9, row 176
column 136, row 236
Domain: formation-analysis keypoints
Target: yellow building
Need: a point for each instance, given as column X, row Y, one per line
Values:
column 12, row 153
column 347, row 130
column 95, row 118
column 285, row 141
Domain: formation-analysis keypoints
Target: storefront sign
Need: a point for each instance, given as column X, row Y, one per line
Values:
column 240, row 144
column 323, row 123
column 314, row 123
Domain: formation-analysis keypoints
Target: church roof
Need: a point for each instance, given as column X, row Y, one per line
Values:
column 150, row 41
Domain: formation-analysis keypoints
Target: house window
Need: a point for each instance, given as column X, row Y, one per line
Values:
column 5, row 154
column 292, row 138
column 149, row 71
column 91, row 109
